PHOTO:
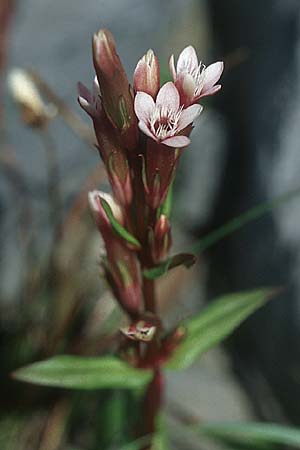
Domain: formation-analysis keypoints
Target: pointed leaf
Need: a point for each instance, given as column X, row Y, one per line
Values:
column 213, row 325
column 181, row 259
column 167, row 204
column 76, row 372
column 117, row 227
column 240, row 221
column 253, row 434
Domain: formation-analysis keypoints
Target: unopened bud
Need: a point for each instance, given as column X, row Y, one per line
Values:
column 146, row 74
column 160, row 166
column 128, row 281
column 119, row 176
column 94, row 198
column 115, row 89
column 153, row 193
column 35, row 113
column 161, row 239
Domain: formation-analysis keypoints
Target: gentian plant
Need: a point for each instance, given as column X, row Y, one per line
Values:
column 142, row 131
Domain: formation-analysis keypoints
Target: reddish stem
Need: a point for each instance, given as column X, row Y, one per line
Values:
column 149, row 295
column 152, row 401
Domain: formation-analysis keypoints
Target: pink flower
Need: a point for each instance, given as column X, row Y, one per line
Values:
column 164, row 119
column 193, row 79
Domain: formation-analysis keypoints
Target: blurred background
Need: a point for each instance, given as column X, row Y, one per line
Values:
column 245, row 150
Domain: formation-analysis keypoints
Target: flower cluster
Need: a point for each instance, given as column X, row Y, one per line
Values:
column 141, row 132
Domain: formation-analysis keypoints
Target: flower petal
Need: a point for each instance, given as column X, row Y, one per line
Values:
column 177, row 141
column 96, row 87
column 188, row 115
column 143, row 127
column 212, row 75
column 84, row 92
column 143, row 105
column 187, row 60
column 168, row 96
column 86, row 106
column 172, row 68
column 140, row 74
column 211, row 91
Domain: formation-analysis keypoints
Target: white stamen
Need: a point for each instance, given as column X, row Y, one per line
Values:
column 197, row 72
column 164, row 121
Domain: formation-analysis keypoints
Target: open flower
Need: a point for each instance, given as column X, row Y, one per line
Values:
column 164, row 119
column 193, row 79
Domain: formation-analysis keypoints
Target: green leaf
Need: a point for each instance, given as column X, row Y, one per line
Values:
column 167, row 204
column 252, row 434
column 181, row 259
column 238, row 222
column 160, row 439
column 215, row 323
column 119, row 230
column 138, row 444
column 77, row 372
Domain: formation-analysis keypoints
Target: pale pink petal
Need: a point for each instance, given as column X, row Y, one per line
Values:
column 188, row 85
column 187, row 59
column 212, row 75
column 210, row 91
column 168, row 96
column 84, row 92
column 146, row 75
column 172, row 67
column 143, row 127
column 140, row 74
column 143, row 105
column 188, row 115
column 88, row 108
column 96, row 87
column 177, row 141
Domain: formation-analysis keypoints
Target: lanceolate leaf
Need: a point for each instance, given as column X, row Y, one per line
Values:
column 253, row 435
column 77, row 372
column 240, row 221
column 167, row 205
column 138, row 444
column 215, row 323
column 181, row 259
column 119, row 230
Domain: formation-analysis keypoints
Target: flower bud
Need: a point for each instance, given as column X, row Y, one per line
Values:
column 160, row 239
column 110, row 147
column 146, row 74
column 115, row 89
column 119, row 177
column 121, row 267
column 160, row 166
column 94, row 198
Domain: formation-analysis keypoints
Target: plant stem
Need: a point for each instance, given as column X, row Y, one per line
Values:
column 149, row 295
column 152, row 402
